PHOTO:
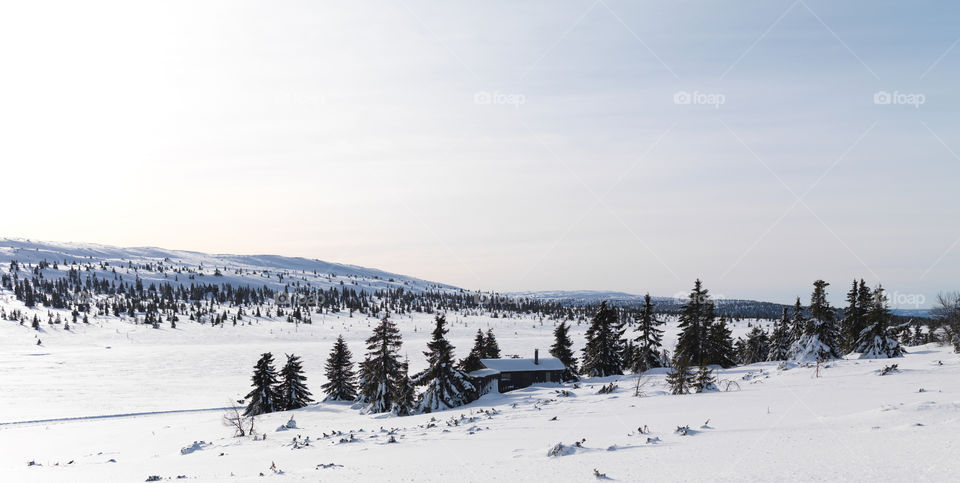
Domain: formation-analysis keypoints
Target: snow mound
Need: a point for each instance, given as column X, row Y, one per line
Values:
column 196, row 446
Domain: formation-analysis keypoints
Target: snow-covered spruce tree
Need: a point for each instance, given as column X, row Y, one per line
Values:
column 293, row 388
column 601, row 356
column 472, row 361
column 696, row 317
column 798, row 323
column 405, row 403
column 876, row 340
column 704, row 380
column 855, row 315
column 681, row 379
column 382, row 368
column 340, row 384
column 649, row 340
column 264, row 397
column 821, row 337
column 447, row 387
column 562, row 349
column 946, row 319
column 491, row 350
column 720, row 348
column 756, row 347
column 780, row 339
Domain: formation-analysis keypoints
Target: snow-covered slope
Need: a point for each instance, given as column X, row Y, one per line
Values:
column 255, row 270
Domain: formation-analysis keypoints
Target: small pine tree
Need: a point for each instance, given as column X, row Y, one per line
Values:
column 293, row 388
column 756, row 347
column 264, row 397
column 780, row 339
column 876, row 341
column 447, row 387
column 680, row 380
column 562, row 349
column 704, row 380
column 491, row 350
column 649, row 340
column 602, row 355
column 854, row 317
column 798, row 324
column 472, row 361
column 340, row 384
column 381, row 371
column 720, row 348
column 696, row 317
column 405, row 403
column 821, row 336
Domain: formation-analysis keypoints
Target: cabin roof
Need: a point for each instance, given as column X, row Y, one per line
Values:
column 523, row 365
column 480, row 373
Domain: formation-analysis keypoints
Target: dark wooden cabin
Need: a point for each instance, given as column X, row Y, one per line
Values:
column 513, row 374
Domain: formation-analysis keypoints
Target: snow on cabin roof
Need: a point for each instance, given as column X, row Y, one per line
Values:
column 483, row 373
column 520, row 365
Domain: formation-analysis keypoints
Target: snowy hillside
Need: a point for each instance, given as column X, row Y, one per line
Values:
column 253, row 270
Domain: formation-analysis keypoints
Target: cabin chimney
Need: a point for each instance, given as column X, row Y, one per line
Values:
column 536, row 356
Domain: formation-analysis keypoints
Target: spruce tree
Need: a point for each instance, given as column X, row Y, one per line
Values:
column 859, row 301
column 293, row 389
column 447, row 387
column 562, row 349
column 340, row 384
column 405, row 403
column 681, row 379
column 799, row 323
column 491, row 350
column 704, row 380
column 382, row 368
column 821, row 337
column 876, row 341
column 780, row 339
column 264, row 397
column 696, row 317
column 757, row 346
column 602, row 356
column 720, row 348
column 649, row 340
column 472, row 361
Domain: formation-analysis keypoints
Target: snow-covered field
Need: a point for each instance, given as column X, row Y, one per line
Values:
column 782, row 425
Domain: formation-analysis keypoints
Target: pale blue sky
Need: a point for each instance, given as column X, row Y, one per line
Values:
column 360, row 132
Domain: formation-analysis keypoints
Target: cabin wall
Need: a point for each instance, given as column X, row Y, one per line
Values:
column 521, row 379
